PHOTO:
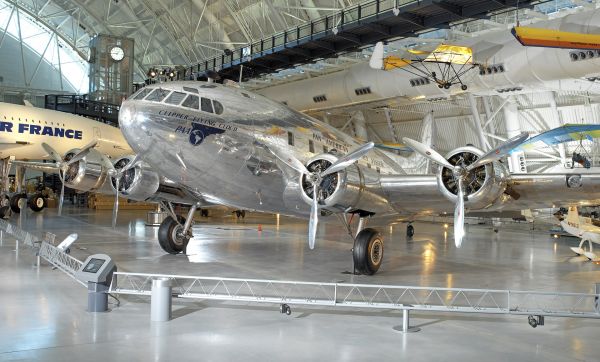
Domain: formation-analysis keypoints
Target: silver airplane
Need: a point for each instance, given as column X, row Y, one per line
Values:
column 202, row 144
column 228, row 146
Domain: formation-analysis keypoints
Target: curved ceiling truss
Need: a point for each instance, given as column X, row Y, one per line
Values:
column 174, row 32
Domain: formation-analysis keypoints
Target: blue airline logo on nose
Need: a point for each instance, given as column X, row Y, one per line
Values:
column 199, row 132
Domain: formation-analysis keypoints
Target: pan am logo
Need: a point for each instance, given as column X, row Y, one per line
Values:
column 199, row 132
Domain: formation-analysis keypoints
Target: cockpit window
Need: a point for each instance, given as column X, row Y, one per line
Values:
column 144, row 92
column 218, row 107
column 175, row 98
column 205, row 104
column 191, row 90
column 157, row 95
column 191, row 102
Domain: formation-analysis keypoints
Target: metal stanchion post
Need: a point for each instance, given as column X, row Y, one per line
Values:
column 406, row 328
column 597, row 298
column 160, row 302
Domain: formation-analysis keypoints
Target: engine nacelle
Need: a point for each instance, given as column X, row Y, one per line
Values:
column 141, row 183
column 137, row 183
column 484, row 186
column 87, row 174
column 355, row 188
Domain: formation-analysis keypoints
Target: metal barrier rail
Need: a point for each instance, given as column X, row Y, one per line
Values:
column 44, row 249
column 19, row 234
column 62, row 261
column 489, row 301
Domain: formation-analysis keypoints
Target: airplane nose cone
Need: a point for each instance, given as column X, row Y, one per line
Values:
column 130, row 121
column 126, row 114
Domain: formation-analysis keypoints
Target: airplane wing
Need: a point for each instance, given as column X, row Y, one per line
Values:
column 390, row 146
column 421, row 195
column 552, row 38
column 566, row 133
column 47, row 167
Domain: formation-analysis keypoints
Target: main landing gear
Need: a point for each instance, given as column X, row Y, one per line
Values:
column 368, row 249
column 36, row 202
column 175, row 231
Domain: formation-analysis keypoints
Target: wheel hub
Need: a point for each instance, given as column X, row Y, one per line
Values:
column 178, row 236
column 376, row 251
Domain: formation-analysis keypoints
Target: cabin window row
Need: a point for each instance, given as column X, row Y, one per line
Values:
column 180, row 98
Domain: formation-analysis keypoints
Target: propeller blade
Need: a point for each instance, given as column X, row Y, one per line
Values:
column 314, row 219
column 459, row 216
column 108, row 165
column 427, row 152
column 499, row 152
column 83, row 152
column 291, row 161
column 349, row 159
column 52, row 153
column 116, row 204
column 62, row 195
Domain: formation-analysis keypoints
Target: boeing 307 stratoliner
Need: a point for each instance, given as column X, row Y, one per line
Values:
column 205, row 143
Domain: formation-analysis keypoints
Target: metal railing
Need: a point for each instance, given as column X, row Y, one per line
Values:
column 61, row 260
column 45, row 249
column 489, row 301
column 406, row 298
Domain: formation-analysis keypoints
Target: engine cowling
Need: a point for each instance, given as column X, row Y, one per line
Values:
column 141, row 183
column 87, row 174
column 355, row 188
column 137, row 183
column 485, row 186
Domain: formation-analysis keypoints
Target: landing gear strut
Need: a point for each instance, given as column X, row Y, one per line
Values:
column 368, row 249
column 175, row 231
column 410, row 230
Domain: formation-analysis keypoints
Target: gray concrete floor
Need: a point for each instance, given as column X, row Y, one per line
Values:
column 43, row 317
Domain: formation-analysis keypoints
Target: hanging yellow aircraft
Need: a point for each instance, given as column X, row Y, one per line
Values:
column 452, row 62
column 539, row 37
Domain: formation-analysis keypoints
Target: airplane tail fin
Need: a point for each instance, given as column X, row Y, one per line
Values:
column 376, row 61
column 573, row 215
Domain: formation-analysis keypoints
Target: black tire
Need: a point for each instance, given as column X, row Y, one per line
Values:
column 368, row 251
column 410, row 231
column 4, row 211
column 166, row 239
column 36, row 202
column 14, row 202
column 204, row 213
column 238, row 214
column 243, row 212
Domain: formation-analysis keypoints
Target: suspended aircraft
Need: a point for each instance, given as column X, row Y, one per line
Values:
column 553, row 38
column 24, row 130
column 506, row 68
column 444, row 65
column 584, row 228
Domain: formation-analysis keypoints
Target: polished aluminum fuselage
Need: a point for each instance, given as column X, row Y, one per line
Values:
column 227, row 159
column 233, row 166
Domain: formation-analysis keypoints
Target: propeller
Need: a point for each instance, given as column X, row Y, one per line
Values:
column 499, row 152
column 461, row 171
column 117, row 175
column 316, row 177
column 63, row 166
